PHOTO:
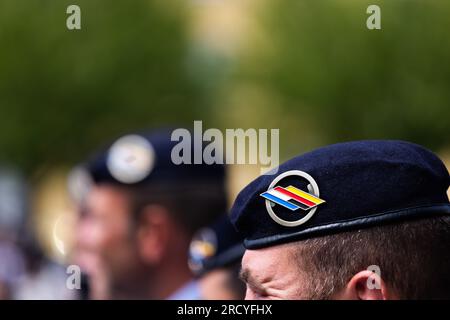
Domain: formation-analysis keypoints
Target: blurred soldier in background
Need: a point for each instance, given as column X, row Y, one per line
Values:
column 12, row 220
column 215, row 258
column 25, row 271
column 139, row 216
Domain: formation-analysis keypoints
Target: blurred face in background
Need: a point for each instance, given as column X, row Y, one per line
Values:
column 107, row 241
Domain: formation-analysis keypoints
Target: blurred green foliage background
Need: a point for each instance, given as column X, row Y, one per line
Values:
column 64, row 92
column 328, row 71
column 308, row 67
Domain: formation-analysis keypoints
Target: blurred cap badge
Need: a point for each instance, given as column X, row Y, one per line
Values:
column 292, row 198
column 131, row 159
column 203, row 246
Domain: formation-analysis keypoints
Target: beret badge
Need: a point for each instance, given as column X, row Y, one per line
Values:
column 293, row 198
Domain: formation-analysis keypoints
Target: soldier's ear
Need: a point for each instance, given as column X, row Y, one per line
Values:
column 153, row 233
column 366, row 285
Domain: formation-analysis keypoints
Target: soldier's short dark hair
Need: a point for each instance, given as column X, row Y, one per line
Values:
column 413, row 257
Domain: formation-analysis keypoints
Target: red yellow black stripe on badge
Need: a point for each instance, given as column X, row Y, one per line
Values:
column 292, row 198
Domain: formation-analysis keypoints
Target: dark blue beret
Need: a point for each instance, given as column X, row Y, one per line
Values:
column 342, row 187
column 216, row 246
column 145, row 158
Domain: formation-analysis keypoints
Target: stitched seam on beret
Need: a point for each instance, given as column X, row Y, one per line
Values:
column 345, row 225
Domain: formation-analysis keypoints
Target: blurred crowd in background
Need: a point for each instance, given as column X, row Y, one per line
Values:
column 309, row 68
